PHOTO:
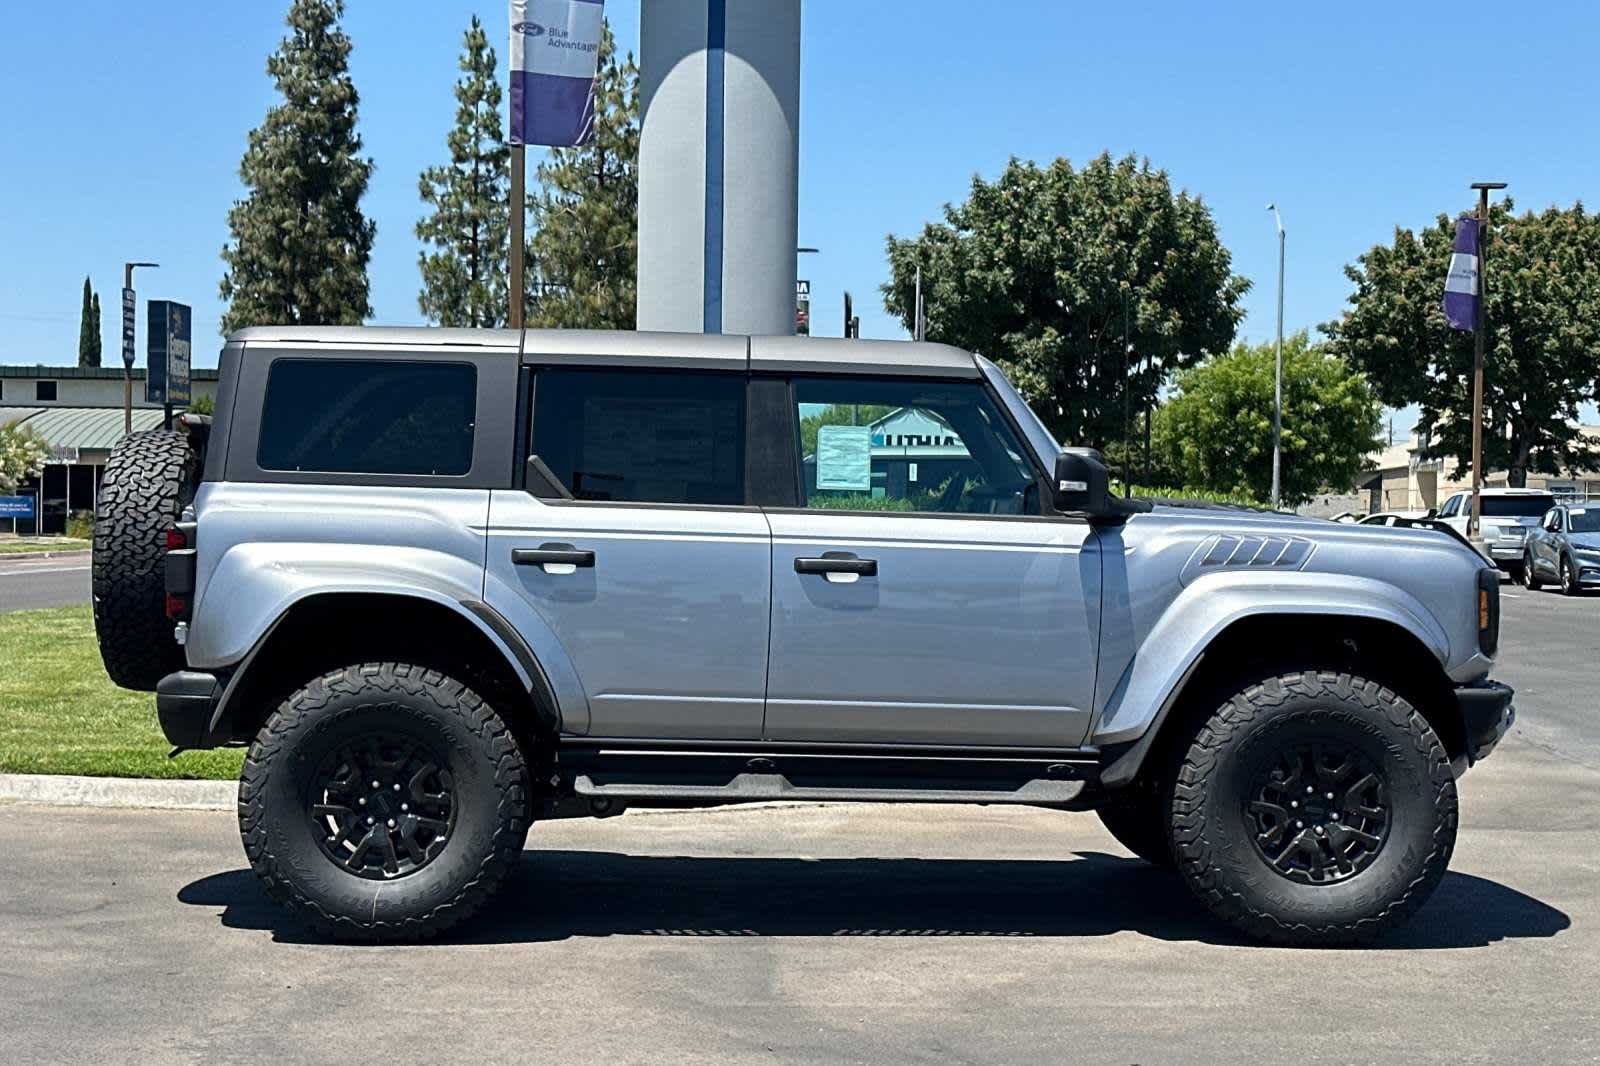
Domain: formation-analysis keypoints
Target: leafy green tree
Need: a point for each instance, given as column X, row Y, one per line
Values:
column 464, row 278
column 300, row 242
column 89, row 328
column 1047, row 269
column 583, row 248
column 1543, row 343
column 1215, row 431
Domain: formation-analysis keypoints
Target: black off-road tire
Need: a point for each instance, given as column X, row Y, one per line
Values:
column 150, row 478
column 402, row 704
column 1530, row 577
column 1215, row 834
column 1137, row 817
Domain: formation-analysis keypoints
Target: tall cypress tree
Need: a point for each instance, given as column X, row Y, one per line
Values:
column 583, row 253
column 300, row 242
column 88, row 330
column 464, row 279
column 94, row 334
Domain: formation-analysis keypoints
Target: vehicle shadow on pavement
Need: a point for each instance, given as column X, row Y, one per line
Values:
column 556, row 895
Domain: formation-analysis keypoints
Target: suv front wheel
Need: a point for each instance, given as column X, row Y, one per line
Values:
column 383, row 801
column 1314, row 808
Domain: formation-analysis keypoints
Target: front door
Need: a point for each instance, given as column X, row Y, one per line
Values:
column 918, row 595
column 641, row 571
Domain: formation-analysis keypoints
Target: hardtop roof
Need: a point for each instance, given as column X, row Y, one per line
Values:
column 690, row 350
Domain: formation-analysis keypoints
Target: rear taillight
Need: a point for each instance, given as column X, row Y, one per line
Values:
column 176, row 540
column 177, row 607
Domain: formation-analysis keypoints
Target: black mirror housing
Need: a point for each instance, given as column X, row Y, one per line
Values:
column 1083, row 486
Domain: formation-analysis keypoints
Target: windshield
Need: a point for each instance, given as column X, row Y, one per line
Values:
column 1516, row 506
column 1585, row 519
column 1040, row 439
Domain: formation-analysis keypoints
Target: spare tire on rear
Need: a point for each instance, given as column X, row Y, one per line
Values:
column 150, row 478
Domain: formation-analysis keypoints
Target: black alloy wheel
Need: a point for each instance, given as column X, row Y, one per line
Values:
column 382, row 807
column 1321, row 815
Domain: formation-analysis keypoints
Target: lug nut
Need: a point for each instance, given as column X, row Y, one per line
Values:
column 1309, row 789
column 1335, row 816
column 1328, row 794
column 369, row 821
column 1294, row 803
column 405, row 806
column 391, row 824
column 1297, row 825
column 376, row 785
column 362, row 801
column 397, row 789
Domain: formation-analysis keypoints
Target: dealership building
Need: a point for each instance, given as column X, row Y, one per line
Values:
column 77, row 411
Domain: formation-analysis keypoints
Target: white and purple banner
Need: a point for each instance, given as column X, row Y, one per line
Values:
column 1461, row 284
column 555, row 51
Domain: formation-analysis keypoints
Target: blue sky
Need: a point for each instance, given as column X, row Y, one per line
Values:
column 1354, row 117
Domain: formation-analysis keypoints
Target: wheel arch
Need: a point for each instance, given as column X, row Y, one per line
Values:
column 321, row 631
column 1260, row 645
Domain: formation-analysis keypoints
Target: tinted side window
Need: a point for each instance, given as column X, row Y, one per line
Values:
column 905, row 445
column 368, row 417
column 642, row 436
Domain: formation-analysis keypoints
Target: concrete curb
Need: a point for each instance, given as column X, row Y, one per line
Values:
column 65, row 791
column 11, row 558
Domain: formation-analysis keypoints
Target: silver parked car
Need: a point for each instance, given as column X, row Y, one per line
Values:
column 1565, row 548
column 443, row 584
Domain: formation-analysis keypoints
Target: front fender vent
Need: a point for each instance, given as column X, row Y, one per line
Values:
column 1234, row 551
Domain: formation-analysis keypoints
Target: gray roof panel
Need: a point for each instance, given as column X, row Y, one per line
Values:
column 828, row 355
column 833, row 355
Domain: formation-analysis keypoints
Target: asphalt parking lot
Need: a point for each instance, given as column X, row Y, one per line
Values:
column 29, row 582
column 832, row 935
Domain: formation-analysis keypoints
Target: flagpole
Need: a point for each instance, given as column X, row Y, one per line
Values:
column 519, row 209
column 1478, row 331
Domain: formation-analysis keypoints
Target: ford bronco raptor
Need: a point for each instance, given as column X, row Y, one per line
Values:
column 443, row 584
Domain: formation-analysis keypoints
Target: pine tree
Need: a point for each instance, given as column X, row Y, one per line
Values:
column 583, row 252
column 88, row 330
column 300, row 242
column 464, row 280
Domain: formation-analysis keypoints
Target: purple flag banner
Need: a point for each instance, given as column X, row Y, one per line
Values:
column 1461, row 284
column 555, row 51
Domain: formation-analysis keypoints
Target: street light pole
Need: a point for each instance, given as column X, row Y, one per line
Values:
column 1479, row 328
column 1277, row 380
column 129, row 306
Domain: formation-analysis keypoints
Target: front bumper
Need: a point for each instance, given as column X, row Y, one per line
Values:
column 1486, row 716
column 186, row 704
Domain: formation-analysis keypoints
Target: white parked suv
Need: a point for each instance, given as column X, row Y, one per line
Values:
column 1508, row 518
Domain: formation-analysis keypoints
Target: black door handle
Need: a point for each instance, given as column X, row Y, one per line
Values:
column 552, row 553
column 837, row 563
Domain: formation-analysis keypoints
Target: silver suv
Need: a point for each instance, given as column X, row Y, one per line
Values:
column 444, row 584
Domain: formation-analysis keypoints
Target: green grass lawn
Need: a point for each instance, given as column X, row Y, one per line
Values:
column 60, row 714
column 50, row 544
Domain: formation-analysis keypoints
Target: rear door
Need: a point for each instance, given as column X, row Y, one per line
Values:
column 634, row 551
column 919, row 596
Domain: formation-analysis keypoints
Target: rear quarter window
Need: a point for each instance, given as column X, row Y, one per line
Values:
column 368, row 417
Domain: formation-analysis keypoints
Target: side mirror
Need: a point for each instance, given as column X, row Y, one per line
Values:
column 1433, row 512
column 1083, row 486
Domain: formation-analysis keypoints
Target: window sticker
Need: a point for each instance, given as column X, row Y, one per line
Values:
column 844, row 458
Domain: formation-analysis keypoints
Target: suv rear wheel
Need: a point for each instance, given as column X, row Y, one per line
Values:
column 1530, row 576
column 383, row 801
column 1314, row 808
